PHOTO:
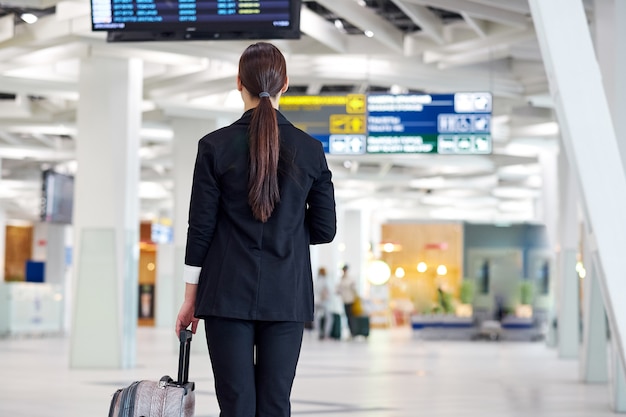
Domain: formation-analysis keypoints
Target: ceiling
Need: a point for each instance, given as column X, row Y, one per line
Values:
column 431, row 46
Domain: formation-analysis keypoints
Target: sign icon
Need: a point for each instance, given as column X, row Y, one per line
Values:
column 472, row 102
column 347, row 144
column 482, row 102
column 346, row 123
column 355, row 103
column 481, row 144
column 481, row 124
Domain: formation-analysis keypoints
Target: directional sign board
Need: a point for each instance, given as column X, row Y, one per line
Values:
column 337, row 121
column 457, row 123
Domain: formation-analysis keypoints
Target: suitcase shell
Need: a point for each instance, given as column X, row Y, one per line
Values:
column 163, row 398
column 362, row 326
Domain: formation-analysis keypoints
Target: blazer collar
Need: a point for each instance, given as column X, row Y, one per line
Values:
column 247, row 116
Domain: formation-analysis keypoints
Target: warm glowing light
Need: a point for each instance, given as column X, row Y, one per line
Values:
column 400, row 272
column 524, row 310
column 151, row 266
column 388, row 247
column 378, row 272
column 464, row 310
column 422, row 267
column 442, row 270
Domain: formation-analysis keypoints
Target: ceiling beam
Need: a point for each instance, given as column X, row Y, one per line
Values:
column 48, row 30
column 478, row 25
column 423, row 17
column 34, row 4
column 36, row 87
column 10, row 138
column 322, row 30
column 7, row 27
column 367, row 20
column 51, row 55
column 477, row 10
column 474, row 56
column 48, row 142
column 496, row 38
column 204, row 80
column 517, row 6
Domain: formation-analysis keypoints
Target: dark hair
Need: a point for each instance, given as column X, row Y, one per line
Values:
column 262, row 69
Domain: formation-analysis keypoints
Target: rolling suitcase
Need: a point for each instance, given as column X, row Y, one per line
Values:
column 163, row 398
column 362, row 326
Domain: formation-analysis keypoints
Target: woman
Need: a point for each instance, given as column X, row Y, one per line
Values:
column 323, row 302
column 261, row 194
column 347, row 291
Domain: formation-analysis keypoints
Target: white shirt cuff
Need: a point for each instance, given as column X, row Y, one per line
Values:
column 191, row 274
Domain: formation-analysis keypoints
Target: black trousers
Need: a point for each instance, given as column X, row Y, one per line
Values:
column 349, row 317
column 254, row 365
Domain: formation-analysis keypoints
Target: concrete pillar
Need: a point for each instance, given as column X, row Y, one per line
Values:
column 591, row 146
column 167, row 302
column 593, row 358
column 355, row 238
column 548, row 213
column 609, row 29
column 106, row 214
column 568, row 316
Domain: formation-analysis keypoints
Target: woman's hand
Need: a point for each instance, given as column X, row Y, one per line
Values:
column 186, row 312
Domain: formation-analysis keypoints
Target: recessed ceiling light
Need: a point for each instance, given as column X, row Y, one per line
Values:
column 29, row 18
column 369, row 33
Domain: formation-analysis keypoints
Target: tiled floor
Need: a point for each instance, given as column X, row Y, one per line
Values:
column 392, row 374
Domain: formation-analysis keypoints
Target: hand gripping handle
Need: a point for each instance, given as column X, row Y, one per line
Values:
column 183, row 357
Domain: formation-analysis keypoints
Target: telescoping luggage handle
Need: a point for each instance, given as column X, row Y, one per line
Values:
column 183, row 357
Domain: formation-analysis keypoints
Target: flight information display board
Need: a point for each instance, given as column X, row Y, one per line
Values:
column 148, row 14
column 458, row 123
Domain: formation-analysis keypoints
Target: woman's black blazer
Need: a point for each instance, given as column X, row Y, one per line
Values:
column 253, row 270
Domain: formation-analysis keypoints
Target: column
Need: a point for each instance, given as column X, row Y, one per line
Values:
column 187, row 133
column 609, row 30
column 610, row 45
column 106, row 214
column 591, row 146
column 548, row 213
column 57, row 268
column 166, row 303
column 567, row 293
column 593, row 352
column 353, row 237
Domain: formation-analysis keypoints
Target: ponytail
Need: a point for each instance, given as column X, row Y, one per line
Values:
column 263, row 72
column 263, row 192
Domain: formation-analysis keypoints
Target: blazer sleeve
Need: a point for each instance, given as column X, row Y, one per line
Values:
column 320, row 215
column 205, row 194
